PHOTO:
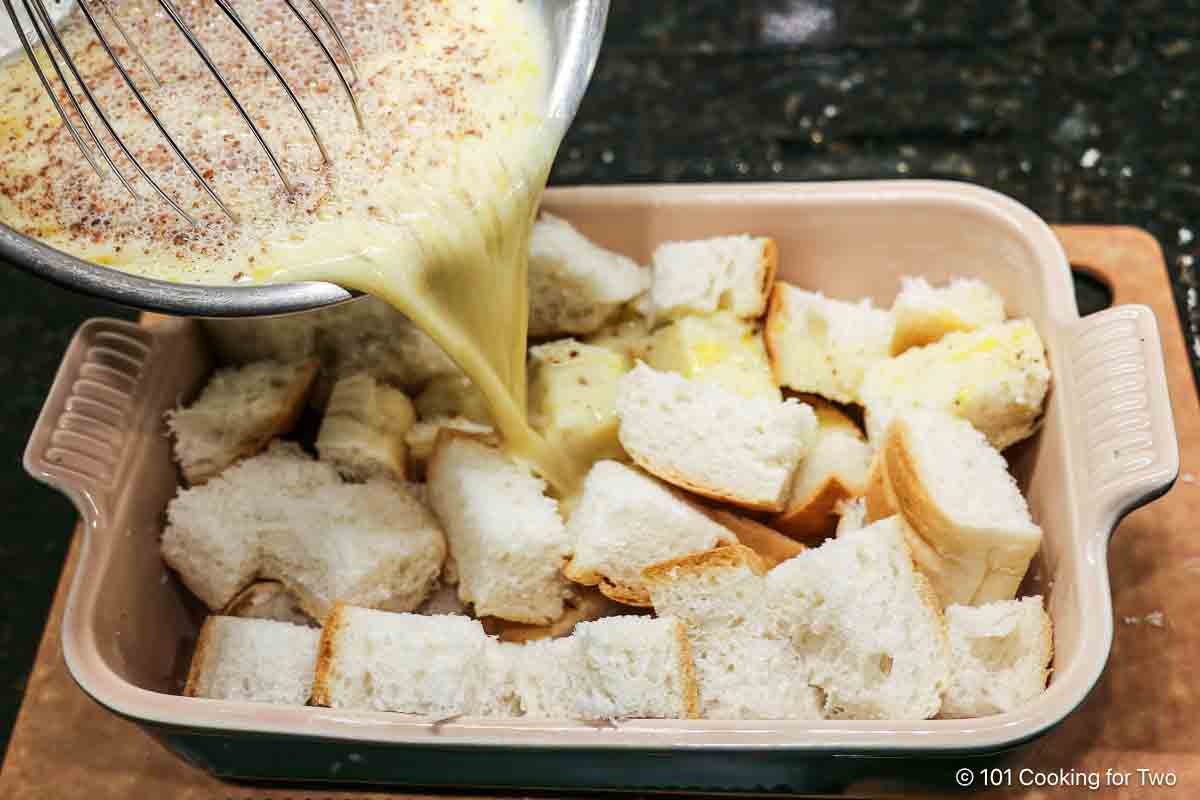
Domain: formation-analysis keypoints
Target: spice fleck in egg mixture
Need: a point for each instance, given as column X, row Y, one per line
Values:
column 428, row 207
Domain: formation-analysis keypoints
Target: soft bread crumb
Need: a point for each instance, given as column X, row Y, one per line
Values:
column 362, row 433
column 506, row 536
column 627, row 520
column 996, row 378
column 710, row 441
column 237, row 414
column 731, row 273
column 255, row 660
column 576, row 286
column 969, row 526
column 873, row 639
column 745, row 668
column 1000, row 657
column 374, row 544
column 824, row 346
column 446, row 666
column 925, row 313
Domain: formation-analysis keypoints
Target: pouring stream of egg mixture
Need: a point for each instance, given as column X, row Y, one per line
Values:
column 430, row 207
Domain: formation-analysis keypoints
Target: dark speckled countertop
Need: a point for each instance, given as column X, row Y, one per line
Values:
column 1085, row 110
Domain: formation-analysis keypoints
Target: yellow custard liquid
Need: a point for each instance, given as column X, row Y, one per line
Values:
column 430, row 208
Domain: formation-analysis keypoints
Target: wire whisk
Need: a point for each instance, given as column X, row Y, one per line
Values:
column 42, row 34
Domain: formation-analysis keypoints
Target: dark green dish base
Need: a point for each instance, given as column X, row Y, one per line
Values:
column 258, row 759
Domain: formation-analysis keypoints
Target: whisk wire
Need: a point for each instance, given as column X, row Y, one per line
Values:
column 233, row 16
column 145, row 106
column 47, row 34
column 37, row 68
column 358, row 115
column 337, row 35
column 85, row 134
column 186, row 30
column 129, row 42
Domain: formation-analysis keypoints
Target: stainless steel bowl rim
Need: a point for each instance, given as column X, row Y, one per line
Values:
column 576, row 28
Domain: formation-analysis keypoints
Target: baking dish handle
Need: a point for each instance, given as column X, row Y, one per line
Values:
column 1127, row 453
column 88, row 426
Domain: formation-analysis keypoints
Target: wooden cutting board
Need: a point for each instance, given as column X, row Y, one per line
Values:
column 1144, row 714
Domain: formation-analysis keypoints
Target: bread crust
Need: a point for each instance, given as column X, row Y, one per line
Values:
column 771, row 329
column 770, row 266
column 936, row 541
column 687, row 671
column 732, row 555
column 771, row 546
column 878, row 495
column 326, row 649
column 290, row 409
column 712, row 493
column 815, row 517
column 199, row 657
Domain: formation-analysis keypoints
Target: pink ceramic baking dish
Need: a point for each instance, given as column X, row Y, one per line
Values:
column 1107, row 446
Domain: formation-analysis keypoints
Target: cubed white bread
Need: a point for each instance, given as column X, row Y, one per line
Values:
column 627, row 337
column 852, row 515
column 576, row 286
column 720, row 348
column 732, row 273
column 212, row 534
column 1000, row 656
column 238, row 413
column 444, row 666
column 583, row 604
column 768, row 544
column 996, row 378
column 627, row 520
column 866, row 625
column 821, row 345
column 268, row 600
column 257, row 660
column 362, row 433
column 834, row 471
column 368, row 335
column 635, row 667
column 744, row 668
column 370, row 544
column 454, row 395
column 422, row 436
column 971, row 532
column 925, row 313
column 547, row 677
column 710, row 441
column 507, row 538
column 573, row 396
column 435, row 666
column 285, row 517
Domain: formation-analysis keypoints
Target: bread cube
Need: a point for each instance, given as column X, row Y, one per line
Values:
column 733, row 273
column 924, row 313
column 256, row 660
column 996, row 378
column 820, row 345
column 719, row 348
column 576, row 286
column 572, row 397
column 362, row 434
column 1000, row 657
column 452, row 395
column 506, row 536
